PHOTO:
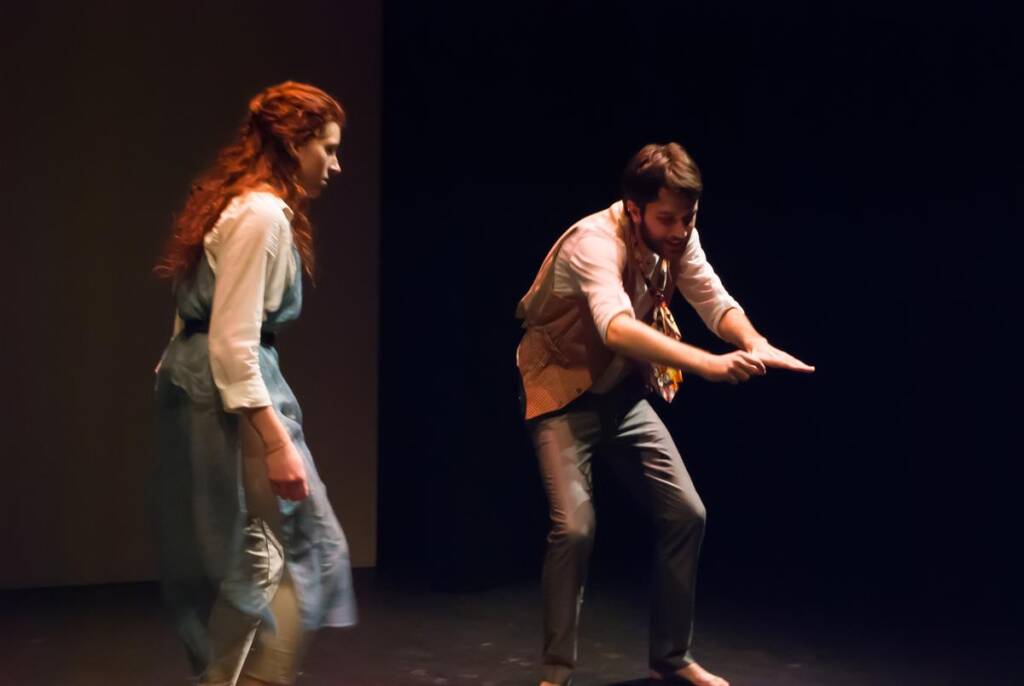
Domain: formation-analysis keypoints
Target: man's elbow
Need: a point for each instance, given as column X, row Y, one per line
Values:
column 615, row 334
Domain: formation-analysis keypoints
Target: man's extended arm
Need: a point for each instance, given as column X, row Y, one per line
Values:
column 704, row 291
column 638, row 341
column 736, row 328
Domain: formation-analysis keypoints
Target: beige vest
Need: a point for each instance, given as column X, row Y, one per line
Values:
column 561, row 354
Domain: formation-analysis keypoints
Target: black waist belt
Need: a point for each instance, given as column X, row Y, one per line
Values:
column 194, row 326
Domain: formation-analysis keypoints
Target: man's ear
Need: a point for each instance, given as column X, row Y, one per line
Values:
column 633, row 211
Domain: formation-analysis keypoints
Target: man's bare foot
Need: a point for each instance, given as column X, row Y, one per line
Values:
column 693, row 674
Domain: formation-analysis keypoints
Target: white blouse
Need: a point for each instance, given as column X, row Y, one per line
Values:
column 249, row 250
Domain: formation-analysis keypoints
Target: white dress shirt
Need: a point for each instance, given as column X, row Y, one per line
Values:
column 590, row 263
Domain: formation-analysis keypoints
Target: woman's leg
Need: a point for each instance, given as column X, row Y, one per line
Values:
column 231, row 631
column 275, row 654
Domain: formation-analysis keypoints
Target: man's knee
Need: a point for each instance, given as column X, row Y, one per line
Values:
column 576, row 531
column 687, row 513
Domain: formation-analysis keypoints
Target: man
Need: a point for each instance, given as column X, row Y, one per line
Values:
column 587, row 360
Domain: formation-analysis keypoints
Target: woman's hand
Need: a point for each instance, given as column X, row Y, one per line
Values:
column 285, row 469
column 286, row 472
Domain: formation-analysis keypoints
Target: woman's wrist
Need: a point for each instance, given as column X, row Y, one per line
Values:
column 268, row 427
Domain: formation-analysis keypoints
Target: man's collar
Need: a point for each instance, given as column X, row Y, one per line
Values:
column 645, row 258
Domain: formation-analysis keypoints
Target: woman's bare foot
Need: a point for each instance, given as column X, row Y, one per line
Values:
column 693, row 674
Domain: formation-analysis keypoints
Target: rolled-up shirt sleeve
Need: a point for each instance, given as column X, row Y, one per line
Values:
column 595, row 263
column 702, row 287
column 244, row 249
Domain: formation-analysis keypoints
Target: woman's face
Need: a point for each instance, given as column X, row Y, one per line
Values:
column 318, row 159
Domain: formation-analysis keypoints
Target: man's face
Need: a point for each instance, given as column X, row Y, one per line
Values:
column 666, row 223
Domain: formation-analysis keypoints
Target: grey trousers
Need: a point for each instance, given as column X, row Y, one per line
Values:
column 623, row 429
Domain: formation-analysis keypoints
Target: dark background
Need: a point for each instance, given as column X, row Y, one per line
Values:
column 861, row 164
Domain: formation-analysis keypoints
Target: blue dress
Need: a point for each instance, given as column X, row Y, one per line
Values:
column 199, row 497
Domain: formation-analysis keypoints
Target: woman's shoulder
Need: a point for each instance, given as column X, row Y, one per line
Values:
column 253, row 215
column 263, row 203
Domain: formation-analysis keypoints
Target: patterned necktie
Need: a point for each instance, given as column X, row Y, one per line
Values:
column 662, row 378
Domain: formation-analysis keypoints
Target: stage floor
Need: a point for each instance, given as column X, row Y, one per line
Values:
column 116, row 636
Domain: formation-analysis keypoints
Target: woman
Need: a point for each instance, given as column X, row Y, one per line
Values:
column 247, row 575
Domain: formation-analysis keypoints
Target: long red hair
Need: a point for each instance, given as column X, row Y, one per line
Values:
column 281, row 117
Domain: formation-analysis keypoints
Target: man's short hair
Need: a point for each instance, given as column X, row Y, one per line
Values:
column 660, row 166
